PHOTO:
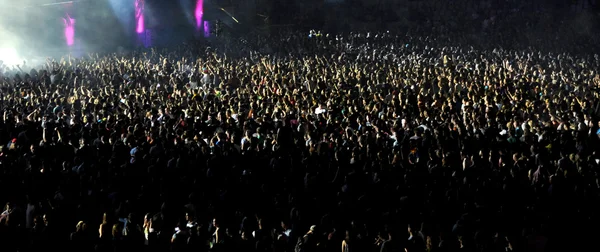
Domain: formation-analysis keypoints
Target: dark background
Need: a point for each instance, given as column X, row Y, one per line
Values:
column 108, row 24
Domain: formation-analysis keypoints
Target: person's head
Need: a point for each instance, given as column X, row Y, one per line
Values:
column 80, row 227
column 116, row 230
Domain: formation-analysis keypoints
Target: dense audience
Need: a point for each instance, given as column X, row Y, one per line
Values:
column 303, row 142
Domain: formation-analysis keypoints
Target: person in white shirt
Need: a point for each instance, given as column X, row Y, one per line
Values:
column 320, row 110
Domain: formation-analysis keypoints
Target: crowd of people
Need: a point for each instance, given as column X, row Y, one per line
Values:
column 303, row 142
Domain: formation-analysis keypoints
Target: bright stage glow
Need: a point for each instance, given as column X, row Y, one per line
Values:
column 9, row 56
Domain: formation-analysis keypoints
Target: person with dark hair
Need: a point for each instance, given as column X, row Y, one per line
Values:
column 179, row 241
column 218, row 236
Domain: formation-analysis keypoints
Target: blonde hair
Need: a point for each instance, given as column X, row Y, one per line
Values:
column 81, row 226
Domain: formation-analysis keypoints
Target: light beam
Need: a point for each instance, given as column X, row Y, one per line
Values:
column 139, row 16
column 199, row 13
column 69, row 30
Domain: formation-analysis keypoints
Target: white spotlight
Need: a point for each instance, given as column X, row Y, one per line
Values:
column 9, row 56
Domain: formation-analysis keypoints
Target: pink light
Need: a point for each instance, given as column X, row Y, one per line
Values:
column 140, row 25
column 139, row 16
column 69, row 30
column 199, row 13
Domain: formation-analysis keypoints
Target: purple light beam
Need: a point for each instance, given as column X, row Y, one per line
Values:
column 139, row 16
column 199, row 13
column 206, row 29
column 69, row 30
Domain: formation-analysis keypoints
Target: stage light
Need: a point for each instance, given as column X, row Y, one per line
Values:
column 69, row 30
column 229, row 14
column 139, row 16
column 206, row 29
column 199, row 13
column 9, row 56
